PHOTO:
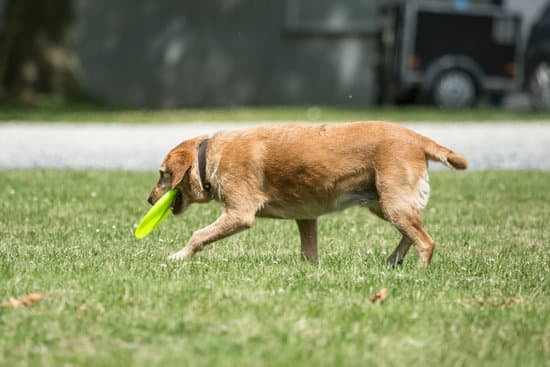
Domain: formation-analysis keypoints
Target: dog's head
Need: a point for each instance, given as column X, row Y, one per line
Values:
column 176, row 172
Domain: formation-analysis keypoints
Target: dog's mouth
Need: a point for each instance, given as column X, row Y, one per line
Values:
column 177, row 204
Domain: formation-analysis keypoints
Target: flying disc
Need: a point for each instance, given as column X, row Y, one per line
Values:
column 158, row 213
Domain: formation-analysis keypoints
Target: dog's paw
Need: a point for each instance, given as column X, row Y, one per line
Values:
column 180, row 255
column 394, row 261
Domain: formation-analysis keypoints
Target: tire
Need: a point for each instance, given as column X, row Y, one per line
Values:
column 454, row 89
column 539, row 86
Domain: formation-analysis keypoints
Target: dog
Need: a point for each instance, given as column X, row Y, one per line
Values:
column 301, row 172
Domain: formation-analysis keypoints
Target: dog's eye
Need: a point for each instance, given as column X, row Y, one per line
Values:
column 165, row 180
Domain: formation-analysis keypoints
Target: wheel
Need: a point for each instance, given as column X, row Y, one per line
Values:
column 539, row 86
column 454, row 89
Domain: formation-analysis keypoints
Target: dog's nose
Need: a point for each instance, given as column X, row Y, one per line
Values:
column 150, row 200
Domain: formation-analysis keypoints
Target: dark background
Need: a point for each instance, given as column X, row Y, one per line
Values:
column 143, row 53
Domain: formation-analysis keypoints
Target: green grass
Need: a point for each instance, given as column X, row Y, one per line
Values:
column 60, row 110
column 112, row 300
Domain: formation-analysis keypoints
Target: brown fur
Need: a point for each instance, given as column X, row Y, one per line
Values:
column 301, row 172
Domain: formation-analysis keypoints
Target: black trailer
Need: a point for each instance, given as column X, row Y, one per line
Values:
column 537, row 61
column 450, row 55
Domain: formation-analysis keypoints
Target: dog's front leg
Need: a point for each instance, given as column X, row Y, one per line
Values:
column 227, row 224
column 308, row 238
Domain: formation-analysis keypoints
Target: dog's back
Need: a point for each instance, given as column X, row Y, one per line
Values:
column 309, row 170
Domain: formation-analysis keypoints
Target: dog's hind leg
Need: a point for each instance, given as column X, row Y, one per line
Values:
column 403, row 191
column 397, row 256
column 230, row 222
column 410, row 226
column 308, row 238
column 424, row 244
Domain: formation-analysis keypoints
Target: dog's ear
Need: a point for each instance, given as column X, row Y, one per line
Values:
column 178, row 163
column 178, row 176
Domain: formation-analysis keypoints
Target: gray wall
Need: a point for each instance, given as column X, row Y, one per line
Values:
column 227, row 52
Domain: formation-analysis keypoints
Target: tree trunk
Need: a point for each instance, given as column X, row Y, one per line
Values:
column 36, row 50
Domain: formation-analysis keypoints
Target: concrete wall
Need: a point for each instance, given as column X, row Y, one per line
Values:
column 227, row 52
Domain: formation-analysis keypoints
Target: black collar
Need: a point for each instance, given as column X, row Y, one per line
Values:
column 202, row 165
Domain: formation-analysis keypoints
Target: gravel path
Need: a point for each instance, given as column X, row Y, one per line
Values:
column 142, row 147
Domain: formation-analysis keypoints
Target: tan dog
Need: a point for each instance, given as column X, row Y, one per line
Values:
column 302, row 172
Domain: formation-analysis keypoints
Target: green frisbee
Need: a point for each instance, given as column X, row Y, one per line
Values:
column 158, row 213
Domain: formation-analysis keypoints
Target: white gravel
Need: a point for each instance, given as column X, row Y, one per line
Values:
column 517, row 145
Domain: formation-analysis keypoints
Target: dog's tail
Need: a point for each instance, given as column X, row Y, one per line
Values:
column 436, row 152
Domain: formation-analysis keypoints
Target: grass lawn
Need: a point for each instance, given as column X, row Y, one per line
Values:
column 112, row 300
column 59, row 110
